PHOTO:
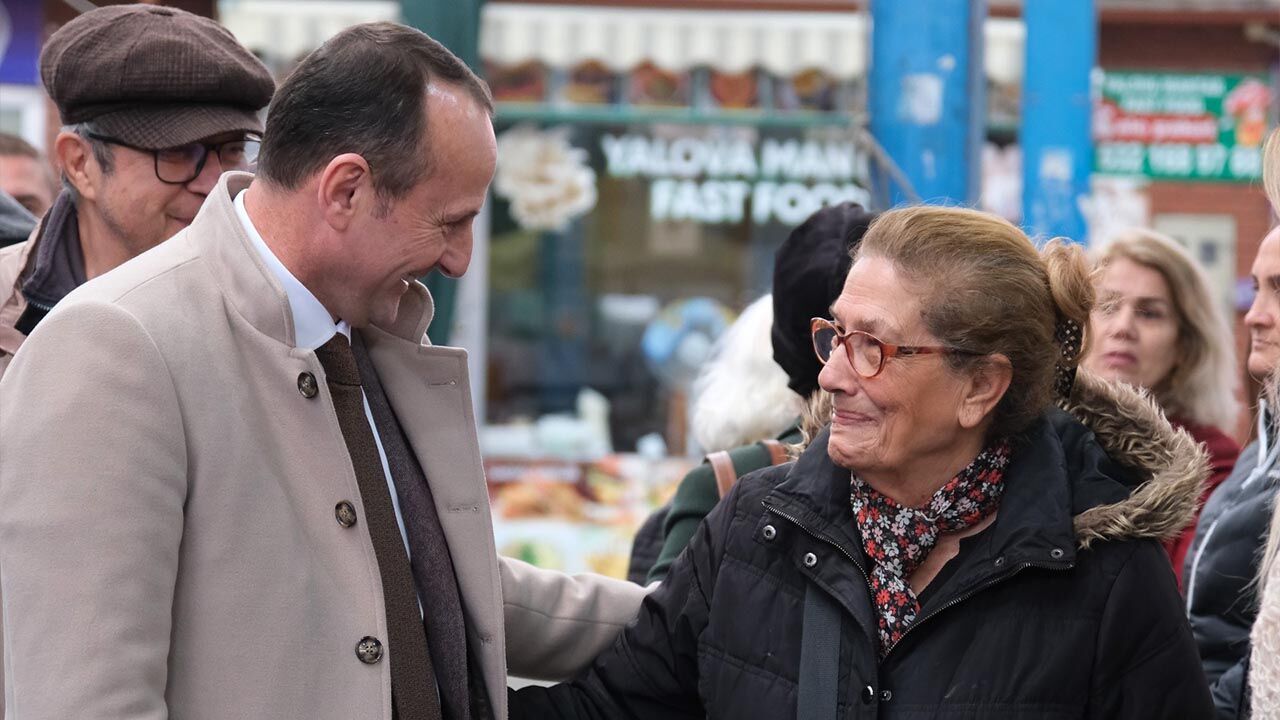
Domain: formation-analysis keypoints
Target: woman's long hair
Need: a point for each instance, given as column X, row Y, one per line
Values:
column 1202, row 385
column 741, row 394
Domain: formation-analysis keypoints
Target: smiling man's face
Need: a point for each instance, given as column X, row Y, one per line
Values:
column 430, row 228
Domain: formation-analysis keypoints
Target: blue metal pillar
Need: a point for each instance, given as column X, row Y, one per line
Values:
column 927, row 94
column 1057, row 149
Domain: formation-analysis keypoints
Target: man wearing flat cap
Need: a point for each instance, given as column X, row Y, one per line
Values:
column 156, row 103
column 237, row 480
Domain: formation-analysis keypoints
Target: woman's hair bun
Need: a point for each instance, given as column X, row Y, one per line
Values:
column 1071, row 287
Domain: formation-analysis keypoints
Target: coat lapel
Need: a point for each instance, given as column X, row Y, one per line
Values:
column 429, row 390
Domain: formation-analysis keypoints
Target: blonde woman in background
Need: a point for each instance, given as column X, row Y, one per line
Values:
column 1264, row 666
column 1156, row 326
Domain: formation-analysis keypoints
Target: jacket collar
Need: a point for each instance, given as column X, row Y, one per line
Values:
column 1162, row 469
column 253, row 289
column 56, row 264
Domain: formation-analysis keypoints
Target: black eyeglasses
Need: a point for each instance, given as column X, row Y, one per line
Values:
column 180, row 165
column 867, row 353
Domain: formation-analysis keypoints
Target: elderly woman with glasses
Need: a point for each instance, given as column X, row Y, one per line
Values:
column 954, row 545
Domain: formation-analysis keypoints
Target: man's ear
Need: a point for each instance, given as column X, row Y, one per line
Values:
column 986, row 386
column 79, row 167
column 344, row 188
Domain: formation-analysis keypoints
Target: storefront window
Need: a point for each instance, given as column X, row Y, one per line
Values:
column 682, row 234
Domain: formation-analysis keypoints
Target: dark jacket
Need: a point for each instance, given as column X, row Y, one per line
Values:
column 1223, row 453
column 35, row 275
column 646, row 546
column 1064, row 608
column 1222, row 565
column 16, row 223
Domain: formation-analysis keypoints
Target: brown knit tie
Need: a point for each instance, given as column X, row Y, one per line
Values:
column 412, row 676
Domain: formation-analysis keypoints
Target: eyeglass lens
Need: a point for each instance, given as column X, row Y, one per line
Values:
column 183, row 164
column 864, row 353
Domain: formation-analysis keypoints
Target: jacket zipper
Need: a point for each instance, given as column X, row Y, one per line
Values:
column 956, row 601
column 865, row 578
column 950, row 604
column 1195, row 564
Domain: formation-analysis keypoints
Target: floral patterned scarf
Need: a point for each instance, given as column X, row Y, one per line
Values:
column 898, row 539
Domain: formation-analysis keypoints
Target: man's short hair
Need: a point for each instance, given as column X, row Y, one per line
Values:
column 364, row 92
column 14, row 146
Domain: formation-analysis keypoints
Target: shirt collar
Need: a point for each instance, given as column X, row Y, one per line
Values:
column 312, row 323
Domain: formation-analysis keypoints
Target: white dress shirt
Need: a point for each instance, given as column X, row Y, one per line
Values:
column 312, row 327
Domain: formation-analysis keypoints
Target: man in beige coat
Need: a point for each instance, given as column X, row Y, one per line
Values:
column 195, row 519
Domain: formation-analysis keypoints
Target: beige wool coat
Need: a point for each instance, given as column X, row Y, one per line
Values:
column 168, row 544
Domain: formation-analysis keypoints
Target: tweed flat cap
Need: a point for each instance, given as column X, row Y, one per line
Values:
column 154, row 77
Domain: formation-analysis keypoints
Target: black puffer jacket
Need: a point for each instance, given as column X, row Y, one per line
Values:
column 1222, row 565
column 1064, row 608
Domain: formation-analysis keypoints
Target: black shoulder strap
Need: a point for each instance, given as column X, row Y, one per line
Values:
column 819, row 657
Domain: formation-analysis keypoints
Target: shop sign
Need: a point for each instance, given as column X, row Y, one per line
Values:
column 1171, row 126
column 715, row 181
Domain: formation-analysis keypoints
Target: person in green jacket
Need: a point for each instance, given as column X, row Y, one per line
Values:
column 808, row 274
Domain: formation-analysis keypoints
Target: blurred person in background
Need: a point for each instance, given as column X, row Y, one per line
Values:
column 155, row 103
column 750, row 395
column 1156, row 326
column 741, row 395
column 1264, row 663
column 741, row 407
column 16, row 223
column 1222, row 565
column 953, row 545
column 26, row 175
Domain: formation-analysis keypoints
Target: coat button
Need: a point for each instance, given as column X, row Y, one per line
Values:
column 1056, row 553
column 810, row 560
column 886, row 695
column 1000, row 561
column 346, row 514
column 769, row 532
column 369, row 650
column 868, row 695
column 307, row 385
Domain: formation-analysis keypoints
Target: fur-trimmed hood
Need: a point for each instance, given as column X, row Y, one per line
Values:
column 1166, row 468
column 1171, row 467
